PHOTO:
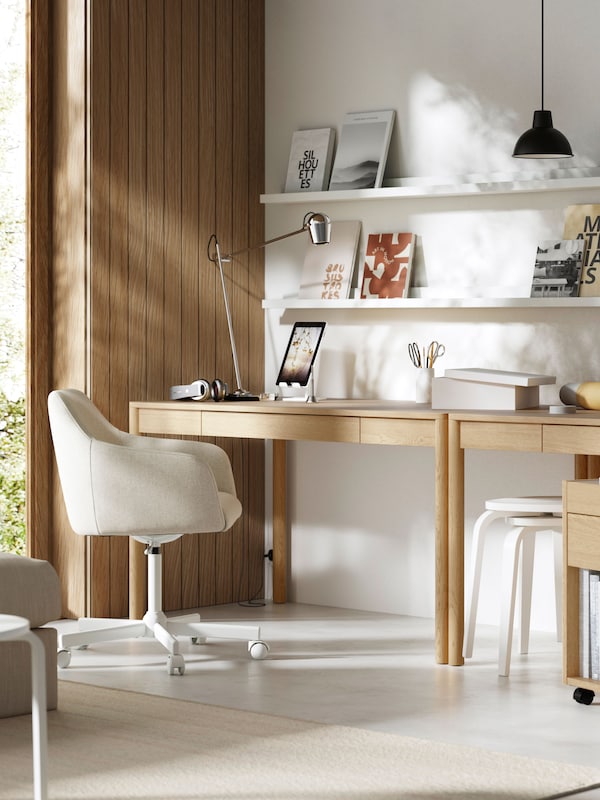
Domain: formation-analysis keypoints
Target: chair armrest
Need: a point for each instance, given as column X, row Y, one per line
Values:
column 152, row 491
column 214, row 456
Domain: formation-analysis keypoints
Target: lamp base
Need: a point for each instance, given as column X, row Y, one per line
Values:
column 240, row 395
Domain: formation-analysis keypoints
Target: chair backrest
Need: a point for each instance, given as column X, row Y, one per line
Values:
column 75, row 422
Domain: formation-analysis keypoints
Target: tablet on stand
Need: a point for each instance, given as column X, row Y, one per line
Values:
column 299, row 359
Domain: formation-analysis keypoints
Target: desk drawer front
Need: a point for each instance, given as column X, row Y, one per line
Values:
column 500, row 436
column 176, row 422
column 408, row 432
column 571, row 439
column 583, row 541
column 309, row 427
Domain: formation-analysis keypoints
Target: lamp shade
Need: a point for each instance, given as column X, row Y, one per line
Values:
column 319, row 228
column 542, row 140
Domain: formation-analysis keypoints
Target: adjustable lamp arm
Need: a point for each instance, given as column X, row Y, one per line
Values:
column 319, row 227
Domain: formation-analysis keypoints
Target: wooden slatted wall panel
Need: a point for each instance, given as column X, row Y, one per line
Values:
column 168, row 140
column 178, row 141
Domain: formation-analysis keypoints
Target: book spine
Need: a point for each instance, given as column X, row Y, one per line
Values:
column 584, row 623
column 594, row 626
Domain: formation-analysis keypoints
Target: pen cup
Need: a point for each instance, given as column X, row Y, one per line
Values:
column 424, row 383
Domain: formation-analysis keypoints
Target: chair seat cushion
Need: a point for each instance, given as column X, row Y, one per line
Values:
column 29, row 587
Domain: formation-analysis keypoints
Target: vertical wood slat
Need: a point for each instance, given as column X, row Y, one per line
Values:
column 190, row 123
column 224, row 227
column 173, row 250
column 175, row 151
column 99, row 246
column 207, row 277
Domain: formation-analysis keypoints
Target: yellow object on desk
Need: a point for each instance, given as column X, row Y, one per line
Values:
column 584, row 395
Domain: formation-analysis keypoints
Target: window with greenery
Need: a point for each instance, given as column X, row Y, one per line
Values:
column 12, row 275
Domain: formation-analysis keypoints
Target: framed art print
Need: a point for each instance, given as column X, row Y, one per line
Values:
column 300, row 353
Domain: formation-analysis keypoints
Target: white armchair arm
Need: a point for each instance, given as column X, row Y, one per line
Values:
column 151, row 490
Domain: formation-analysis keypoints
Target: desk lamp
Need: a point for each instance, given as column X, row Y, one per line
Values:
column 319, row 227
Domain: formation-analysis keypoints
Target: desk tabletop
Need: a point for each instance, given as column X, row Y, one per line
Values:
column 327, row 407
column 529, row 415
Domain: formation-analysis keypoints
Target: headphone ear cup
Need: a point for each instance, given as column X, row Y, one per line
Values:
column 218, row 390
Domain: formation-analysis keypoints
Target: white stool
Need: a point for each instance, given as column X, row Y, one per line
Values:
column 14, row 628
column 525, row 516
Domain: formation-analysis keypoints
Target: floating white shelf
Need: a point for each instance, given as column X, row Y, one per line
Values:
column 423, row 191
column 430, row 302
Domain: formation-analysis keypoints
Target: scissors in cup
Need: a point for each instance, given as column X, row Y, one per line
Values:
column 434, row 352
column 415, row 355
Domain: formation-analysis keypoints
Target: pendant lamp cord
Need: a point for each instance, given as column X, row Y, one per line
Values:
column 542, row 55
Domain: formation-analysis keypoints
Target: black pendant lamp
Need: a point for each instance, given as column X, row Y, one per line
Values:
column 542, row 140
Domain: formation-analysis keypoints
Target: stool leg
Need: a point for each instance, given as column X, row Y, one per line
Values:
column 526, row 573
column 472, row 598
column 558, row 572
column 508, row 590
column 39, row 717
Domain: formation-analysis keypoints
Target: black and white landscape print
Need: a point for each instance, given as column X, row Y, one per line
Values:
column 362, row 151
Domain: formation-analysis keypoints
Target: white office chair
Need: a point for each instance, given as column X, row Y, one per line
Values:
column 525, row 516
column 154, row 490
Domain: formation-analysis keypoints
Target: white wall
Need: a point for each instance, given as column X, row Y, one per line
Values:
column 464, row 78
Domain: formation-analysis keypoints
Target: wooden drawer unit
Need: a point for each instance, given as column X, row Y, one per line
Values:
column 581, row 549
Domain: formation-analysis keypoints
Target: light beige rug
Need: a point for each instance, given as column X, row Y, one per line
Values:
column 113, row 744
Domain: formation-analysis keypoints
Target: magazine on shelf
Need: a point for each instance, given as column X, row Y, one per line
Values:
column 362, row 150
column 583, row 222
column 557, row 269
column 309, row 165
column 328, row 268
column 388, row 265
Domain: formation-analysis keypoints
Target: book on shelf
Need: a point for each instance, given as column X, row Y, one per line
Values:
column 583, row 222
column 362, row 150
column 328, row 268
column 388, row 265
column 557, row 269
column 589, row 624
column 309, row 165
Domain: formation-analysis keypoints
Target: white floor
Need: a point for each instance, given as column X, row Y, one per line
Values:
column 368, row 670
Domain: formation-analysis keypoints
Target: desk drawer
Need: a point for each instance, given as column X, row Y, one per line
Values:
column 178, row 422
column 408, row 432
column 571, row 439
column 307, row 427
column 583, row 541
column 501, row 436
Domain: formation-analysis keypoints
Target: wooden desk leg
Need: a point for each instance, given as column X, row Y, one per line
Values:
column 441, row 541
column 456, row 545
column 280, row 544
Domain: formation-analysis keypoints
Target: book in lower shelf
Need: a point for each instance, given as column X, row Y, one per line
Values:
column 589, row 624
column 388, row 265
column 328, row 268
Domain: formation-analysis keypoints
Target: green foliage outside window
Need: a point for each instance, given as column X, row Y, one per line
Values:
column 12, row 275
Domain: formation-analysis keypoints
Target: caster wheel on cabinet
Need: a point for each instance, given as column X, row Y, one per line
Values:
column 63, row 658
column 584, row 696
column 258, row 650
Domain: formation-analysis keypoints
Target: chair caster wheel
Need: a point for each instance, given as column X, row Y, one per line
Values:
column 258, row 650
column 63, row 658
column 175, row 664
column 584, row 696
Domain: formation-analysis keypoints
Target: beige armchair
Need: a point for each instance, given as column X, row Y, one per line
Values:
column 154, row 490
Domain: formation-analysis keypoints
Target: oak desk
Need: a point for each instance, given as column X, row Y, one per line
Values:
column 534, row 431
column 355, row 421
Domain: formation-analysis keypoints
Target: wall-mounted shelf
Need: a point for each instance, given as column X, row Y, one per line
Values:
column 423, row 191
column 430, row 302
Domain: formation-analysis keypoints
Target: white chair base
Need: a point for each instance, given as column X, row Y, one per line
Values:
column 156, row 625
column 525, row 516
